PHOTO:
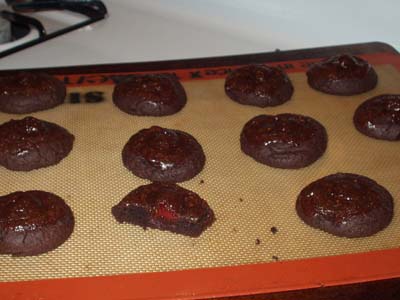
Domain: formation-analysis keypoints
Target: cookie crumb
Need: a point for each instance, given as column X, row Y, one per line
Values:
column 201, row 181
column 240, row 199
column 274, row 230
column 258, row 241
column 275, row 258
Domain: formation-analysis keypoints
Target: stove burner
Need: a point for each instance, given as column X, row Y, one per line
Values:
column 5, row 31
column 24, row 31
column 19, row 35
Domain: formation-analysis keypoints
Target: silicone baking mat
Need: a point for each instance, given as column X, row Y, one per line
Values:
column 248, row 198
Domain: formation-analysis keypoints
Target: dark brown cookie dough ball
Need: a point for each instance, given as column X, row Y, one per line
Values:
column 379, row 117
column 258, row 85
column 150, row 95
column 33, row 222
column 31, row 143
column 165, row 206
column 164, row 155
column 343, row 75
column 24, row 92
column 285, row 141
column 347, row 205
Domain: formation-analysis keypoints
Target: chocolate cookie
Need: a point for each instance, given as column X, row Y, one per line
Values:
column 165, row 206
column 164, row 155
column 258, row 85
column 33, row 222
column 286, row 141
column 150, row 95
column 379, row 117
column 31, row 143
column 346, row 205
column 343, row 75
column 23, row 92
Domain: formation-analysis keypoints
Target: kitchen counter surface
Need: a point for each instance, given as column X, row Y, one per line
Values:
column 162, row 30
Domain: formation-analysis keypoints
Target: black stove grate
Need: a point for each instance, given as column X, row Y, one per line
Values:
column 20, row 24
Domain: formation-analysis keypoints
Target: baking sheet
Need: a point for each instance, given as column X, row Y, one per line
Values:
column 248, row 198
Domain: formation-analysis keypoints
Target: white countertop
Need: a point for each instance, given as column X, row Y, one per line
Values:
column 161, row 30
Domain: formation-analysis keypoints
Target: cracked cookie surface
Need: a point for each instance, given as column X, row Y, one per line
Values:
column 33, row 222
column 286, row 141
column 31, row 143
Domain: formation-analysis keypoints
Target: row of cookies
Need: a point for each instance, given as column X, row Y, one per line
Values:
column 258, row 85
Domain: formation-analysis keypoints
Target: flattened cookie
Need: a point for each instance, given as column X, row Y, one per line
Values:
column 165, row 206
column 164, row 155
column 343, row 75
column 31, row 143
column 150, row 95
column 346, row 205
column 33, row 222
column 285, row 141
column 258, row 85
column 23, row 92
column 379, row 117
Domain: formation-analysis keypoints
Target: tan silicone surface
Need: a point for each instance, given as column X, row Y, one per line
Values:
column 248, row 198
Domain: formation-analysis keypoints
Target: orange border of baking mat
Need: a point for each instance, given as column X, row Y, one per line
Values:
column 218, row 282
column 221, row 281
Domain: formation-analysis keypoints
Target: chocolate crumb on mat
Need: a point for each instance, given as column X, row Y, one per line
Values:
column 274, row 230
